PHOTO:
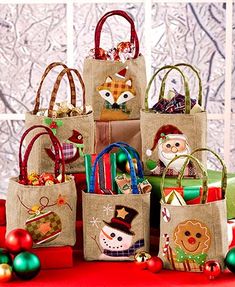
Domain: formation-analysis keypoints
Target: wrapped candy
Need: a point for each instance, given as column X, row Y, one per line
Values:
column 124, row 185
column 44, row 179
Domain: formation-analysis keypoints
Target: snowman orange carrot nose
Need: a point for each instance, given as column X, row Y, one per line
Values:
column 106, row 235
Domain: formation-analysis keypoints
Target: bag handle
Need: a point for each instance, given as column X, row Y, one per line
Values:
column 162, row 91
column 133, row 39
column 186, row 88
column 57, row 85
column 132, row 169
column 224, row 169
column 136, row 155
column 59, row 156
column 46, row 72
column 204, row 176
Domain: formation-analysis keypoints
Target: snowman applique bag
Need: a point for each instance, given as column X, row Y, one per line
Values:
column 172, row 127
column 191, row 234
column 73, row 126
column 47, row 212
column 115, row 226
column 115, row 79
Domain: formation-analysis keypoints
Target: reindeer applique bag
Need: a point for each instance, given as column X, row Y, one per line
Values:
column 47, row 212
column 115, row 226
column 167, row 134
column 192, row 234
column 75, row 129
column 114, row 87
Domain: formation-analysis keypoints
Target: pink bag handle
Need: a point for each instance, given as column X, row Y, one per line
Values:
column 59, row 156
column 46, row 72
column 133, row 39
column 57, row 85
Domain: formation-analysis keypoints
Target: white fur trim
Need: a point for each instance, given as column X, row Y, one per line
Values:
column 149, row 152
column 175, row 136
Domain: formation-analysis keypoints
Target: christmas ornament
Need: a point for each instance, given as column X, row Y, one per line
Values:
column 155, row 264
column 230, row 260
column 5, row 257
column 18, row 240
column 212, row 269
column 5, row 272
column 141, row 259
column 26, row 265
column 122, row 162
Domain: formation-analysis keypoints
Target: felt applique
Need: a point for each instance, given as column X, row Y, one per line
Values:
column 44, row 226
column 53, row 124
column 192, row 240
column 170, row 142
column 116, row 91
column 72, row 148
column 116, row 239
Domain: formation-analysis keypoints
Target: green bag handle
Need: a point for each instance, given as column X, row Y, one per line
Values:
column 186, row 88
column 201, row 167
column 162, row 91
column 224, row 169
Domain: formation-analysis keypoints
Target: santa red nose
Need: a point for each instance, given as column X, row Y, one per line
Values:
column 191, row 240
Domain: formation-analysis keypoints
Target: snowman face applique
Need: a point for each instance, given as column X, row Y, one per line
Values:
column 113, row 239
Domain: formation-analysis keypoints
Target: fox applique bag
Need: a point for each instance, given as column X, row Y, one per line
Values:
column 190, row 234
column 48, row 212
column 76, row 132
column 115, row 89
column 115, row 226
column 166, row 135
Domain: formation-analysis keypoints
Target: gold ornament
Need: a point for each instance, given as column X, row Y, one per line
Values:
column 5, row 272
column 142, row 256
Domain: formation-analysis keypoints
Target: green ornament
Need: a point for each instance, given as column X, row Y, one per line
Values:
column 230, row 260
column 5, row 257
column 26, row 265
column 121, row 159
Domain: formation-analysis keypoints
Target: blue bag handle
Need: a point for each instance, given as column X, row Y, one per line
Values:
column 132, row 169
column 136, row 155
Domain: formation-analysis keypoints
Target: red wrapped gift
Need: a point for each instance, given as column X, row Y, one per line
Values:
column 2, row 212
column 231, row 232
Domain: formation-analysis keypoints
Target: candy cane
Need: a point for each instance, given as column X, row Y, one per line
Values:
column 166, row 246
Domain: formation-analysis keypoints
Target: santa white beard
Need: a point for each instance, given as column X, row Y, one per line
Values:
column 167, row 157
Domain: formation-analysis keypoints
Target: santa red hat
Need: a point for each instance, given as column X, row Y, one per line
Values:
column 122, row 73
column 165, row 132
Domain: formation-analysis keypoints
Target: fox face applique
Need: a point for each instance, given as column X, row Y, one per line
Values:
column 116, row 93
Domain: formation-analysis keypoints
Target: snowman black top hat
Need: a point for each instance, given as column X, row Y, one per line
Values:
column 122, row 219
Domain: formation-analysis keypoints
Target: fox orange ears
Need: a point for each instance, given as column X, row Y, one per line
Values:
column 127, row 82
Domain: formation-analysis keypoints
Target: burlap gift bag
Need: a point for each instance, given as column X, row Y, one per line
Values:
column 115, row 226
column 114, row 88
column 76, row 133
column 48, row 212
column 166, row 135
column 190, row 235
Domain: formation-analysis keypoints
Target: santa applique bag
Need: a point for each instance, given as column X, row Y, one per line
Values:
column 116, row 79
column 46, row 210
column 172, row 127
column 73, row 126
column 115, row 226
column 191, row 234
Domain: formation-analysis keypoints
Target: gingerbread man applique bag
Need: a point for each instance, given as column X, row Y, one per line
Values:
column 191, row 234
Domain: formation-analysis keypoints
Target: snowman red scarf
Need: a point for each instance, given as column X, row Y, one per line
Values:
column 125, row 253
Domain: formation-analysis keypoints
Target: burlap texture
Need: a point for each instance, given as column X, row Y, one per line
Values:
column 30, row 196
column 116, row 131
column 95, row 73
column 39, row 161
column 93, row 206
column 193, row 126
column 213, row 215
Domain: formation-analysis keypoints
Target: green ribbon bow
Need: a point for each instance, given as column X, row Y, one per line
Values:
column 181, row 256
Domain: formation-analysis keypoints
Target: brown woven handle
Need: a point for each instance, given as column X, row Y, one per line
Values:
column 46, row 72
column 57, row 85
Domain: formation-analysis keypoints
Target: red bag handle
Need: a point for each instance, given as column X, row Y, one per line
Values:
column 59, row 156
column 46, row 72
column 57, row 85
column 133, row 39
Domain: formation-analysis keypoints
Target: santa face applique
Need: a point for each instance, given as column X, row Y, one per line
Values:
column 116, row 238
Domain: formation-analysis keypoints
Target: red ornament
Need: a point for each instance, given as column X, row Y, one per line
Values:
column 155, row 264
column 141, row 259
column 18, row 240
column 212, row 269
